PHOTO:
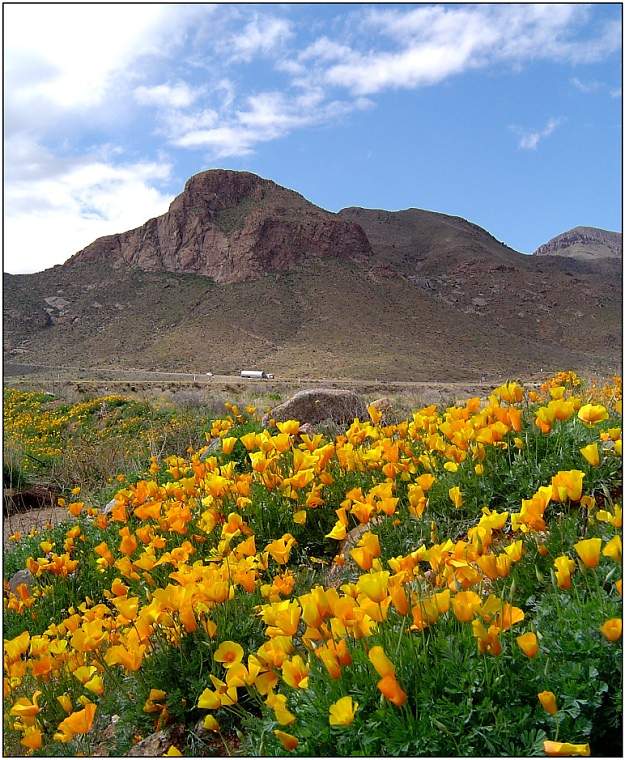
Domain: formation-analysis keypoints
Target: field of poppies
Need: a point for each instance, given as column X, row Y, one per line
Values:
column 445, row 584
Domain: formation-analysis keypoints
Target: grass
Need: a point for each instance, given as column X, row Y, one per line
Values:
column 254, row 584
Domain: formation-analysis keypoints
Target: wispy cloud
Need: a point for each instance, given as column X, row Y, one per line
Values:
column 261, row 35
column 384, row 49
column 266, row 116
column 432, row 43
column 588, row 86
column 592, row 85
column 178, row 95
column 529, row 139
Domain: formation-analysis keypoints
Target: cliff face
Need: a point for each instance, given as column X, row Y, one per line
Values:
column 584, row 243
column 232, row 226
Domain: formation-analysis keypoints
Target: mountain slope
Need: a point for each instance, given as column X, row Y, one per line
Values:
column 557, row 300
column 241, row 272
column 584, row 243
column 330, row 318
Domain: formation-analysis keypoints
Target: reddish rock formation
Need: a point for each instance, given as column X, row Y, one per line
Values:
column 232, row 226
column 584, row 243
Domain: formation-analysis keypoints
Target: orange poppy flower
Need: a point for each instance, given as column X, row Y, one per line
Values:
column 391, row 689
column 528, row 644
column 288, row 741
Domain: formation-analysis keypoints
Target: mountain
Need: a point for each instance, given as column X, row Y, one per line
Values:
column 584, row 244
column 242, row 272
column 231, row 226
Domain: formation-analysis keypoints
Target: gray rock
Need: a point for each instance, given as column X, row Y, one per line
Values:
column 21, row 576
column 57, row 302
column 319, row 405
column 479, row 301
column 154, row 745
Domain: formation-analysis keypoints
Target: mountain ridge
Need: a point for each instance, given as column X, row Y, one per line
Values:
column 241, row 271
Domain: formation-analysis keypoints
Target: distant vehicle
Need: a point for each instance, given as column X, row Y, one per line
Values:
column 209, row 374
column 256, row 374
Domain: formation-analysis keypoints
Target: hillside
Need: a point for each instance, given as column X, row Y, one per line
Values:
column 409, row 295
column 584, row 244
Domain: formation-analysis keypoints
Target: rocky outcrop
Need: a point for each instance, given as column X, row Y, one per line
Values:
column 319, row 405
column 232, row 226
column 584, row 243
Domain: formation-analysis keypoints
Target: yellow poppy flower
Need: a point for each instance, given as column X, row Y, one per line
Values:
column 464, row 605
column 589, row 551
column 528, row 644
column 390, row 688
column 565, row 749
column 379, row 660
column 592, row 413
column 612, row 629
column 342, row 712
column 228, row 653
column 564, row 568
column 548, row 701
column 456, row 496
column 614, row 549
column 591, row 454
column 228, row 444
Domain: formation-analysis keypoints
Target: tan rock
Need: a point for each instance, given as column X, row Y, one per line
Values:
column 320, row 405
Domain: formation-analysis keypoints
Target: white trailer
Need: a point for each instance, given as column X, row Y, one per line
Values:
column 256, row 374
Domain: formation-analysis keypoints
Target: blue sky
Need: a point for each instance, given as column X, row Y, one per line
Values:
column 507, row 115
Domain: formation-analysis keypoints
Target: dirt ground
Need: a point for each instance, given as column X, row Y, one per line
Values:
column 32, row 518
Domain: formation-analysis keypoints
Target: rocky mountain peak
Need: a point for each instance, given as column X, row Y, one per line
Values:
column 219, row 189
column 584, row 243
column 232, row 226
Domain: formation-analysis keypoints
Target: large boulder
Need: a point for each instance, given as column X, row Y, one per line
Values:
column 319, row 405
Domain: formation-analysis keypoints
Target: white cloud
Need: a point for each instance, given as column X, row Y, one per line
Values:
column 178, row 95
column 529, row 139
column 54, row 207
column 324, row 49
column 69, row 56
column 175, row 122
column 222, row 141
column 432, row 43
column 592, row 85
column 267, row 116
column 586, row 87
column 262, row 35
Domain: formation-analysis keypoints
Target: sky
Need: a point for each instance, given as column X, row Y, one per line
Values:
column 507, row 115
